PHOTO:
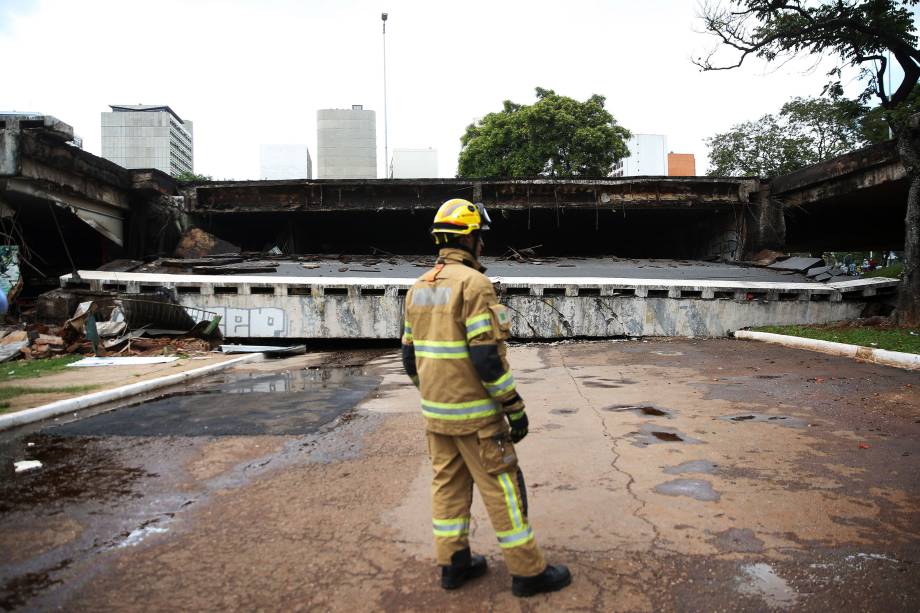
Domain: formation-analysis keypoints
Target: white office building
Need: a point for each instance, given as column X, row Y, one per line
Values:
column 346, row 143
column 414, row 164
column 648, row 156
column 147, row 136
column 285, row 162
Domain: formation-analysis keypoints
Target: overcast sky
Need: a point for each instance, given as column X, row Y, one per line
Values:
column 250, row 72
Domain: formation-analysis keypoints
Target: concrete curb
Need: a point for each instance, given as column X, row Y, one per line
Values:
column 69, row 405
column 897, row 359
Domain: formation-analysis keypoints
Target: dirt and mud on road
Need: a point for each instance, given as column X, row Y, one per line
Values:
column 669, row 475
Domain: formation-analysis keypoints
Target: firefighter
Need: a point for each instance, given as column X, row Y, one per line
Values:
column 453, row 348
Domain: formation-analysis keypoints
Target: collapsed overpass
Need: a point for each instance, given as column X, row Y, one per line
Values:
column 78, row 211
column 690, row 217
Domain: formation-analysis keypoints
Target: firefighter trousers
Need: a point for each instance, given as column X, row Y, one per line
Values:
column 486, row 458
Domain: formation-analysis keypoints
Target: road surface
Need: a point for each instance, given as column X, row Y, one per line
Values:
column 715, row 475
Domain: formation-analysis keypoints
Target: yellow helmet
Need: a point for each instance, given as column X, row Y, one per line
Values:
column 459, row 216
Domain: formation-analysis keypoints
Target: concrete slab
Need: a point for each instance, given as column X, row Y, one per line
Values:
column 602, row 267
column 302, row 307
column 797, row 264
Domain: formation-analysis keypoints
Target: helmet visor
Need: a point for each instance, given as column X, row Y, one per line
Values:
column 484, row 214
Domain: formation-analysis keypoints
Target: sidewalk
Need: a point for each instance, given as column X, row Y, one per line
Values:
column 95, row 379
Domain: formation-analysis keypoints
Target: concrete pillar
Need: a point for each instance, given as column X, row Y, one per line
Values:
column 764, row 224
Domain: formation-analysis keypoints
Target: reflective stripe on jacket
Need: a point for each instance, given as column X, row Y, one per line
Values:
column 454, row 346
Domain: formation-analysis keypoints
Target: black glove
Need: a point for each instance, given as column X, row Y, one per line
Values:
column 518, row 422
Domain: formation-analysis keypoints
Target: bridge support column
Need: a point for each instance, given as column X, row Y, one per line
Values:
column 764, row 224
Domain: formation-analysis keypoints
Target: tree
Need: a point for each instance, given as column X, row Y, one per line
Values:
column 190, row 177
column 556, row 137
column 806, row 131
column 857, row 34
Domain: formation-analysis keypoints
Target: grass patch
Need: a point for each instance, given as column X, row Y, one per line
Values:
column 892, row 339
column 894, row 271
column 28, row 369
column 9, row 392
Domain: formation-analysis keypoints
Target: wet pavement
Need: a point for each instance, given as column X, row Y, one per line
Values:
column 238, row 404
column 110, row 479
column 670, row 475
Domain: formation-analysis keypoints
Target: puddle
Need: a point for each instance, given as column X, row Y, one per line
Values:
column 741, row 540
column 646, row 410
column 17, row 591
column 563, row 411
column 135, row 537
column 73, row 469
column 693, row 466
column 760, row 580
column 649, row 434
column 693, row 488
column 601, row 384
column 239, row 404
column 780, row 420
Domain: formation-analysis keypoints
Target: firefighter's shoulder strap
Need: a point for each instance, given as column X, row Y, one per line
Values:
column 432, row 275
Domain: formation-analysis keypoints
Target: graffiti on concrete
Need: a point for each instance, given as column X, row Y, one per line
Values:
column 251, row 323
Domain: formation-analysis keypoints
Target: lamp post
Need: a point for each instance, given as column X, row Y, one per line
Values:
column 386, row 160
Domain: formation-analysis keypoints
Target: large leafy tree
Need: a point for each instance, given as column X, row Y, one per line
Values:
column 805, row 131
column 556, row 137
column 856, row 34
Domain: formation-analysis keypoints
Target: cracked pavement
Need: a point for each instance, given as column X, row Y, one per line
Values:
column 668, row 474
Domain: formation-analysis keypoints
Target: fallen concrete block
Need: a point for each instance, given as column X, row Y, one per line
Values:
column 796, row 263
column 197, row 243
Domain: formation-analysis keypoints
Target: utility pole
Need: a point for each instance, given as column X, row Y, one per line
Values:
column 386, row 156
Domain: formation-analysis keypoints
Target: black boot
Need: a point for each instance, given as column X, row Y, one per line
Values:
column 551, row 579
column 463, row 567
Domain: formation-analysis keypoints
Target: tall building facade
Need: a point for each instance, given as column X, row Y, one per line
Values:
column 285, row 162
column 648, row 156
column 414, row 164
column 346, row 143
column 147, row 136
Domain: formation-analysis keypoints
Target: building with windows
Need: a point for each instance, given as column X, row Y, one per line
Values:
column 147, row 136
column 414, row 164
column 648, row 156
column 285, row 162
column 346, row 143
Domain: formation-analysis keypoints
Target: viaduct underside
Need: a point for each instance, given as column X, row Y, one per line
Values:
column 695, row 217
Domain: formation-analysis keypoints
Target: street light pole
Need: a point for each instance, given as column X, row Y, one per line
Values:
column 386, row 160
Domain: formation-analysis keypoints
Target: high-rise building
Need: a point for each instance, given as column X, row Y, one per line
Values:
column 414, row 164
column 147, row 136
column 647, row 157
column 681, row 165
column 285, row 162
column 346, row 143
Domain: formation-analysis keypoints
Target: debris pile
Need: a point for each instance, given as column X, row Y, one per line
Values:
column 813, row 268
column 116, row 326
column 526, row 255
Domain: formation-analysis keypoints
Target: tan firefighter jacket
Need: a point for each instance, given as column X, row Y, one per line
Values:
column 454, row 347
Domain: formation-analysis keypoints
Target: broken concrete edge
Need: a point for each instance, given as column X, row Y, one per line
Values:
column 102, row 277
column 897, row 359
column 69, row 405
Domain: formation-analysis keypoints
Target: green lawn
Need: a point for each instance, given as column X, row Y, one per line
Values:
column 27, row 369
column 893, row 339
column 894, row 272
column 9, row 392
